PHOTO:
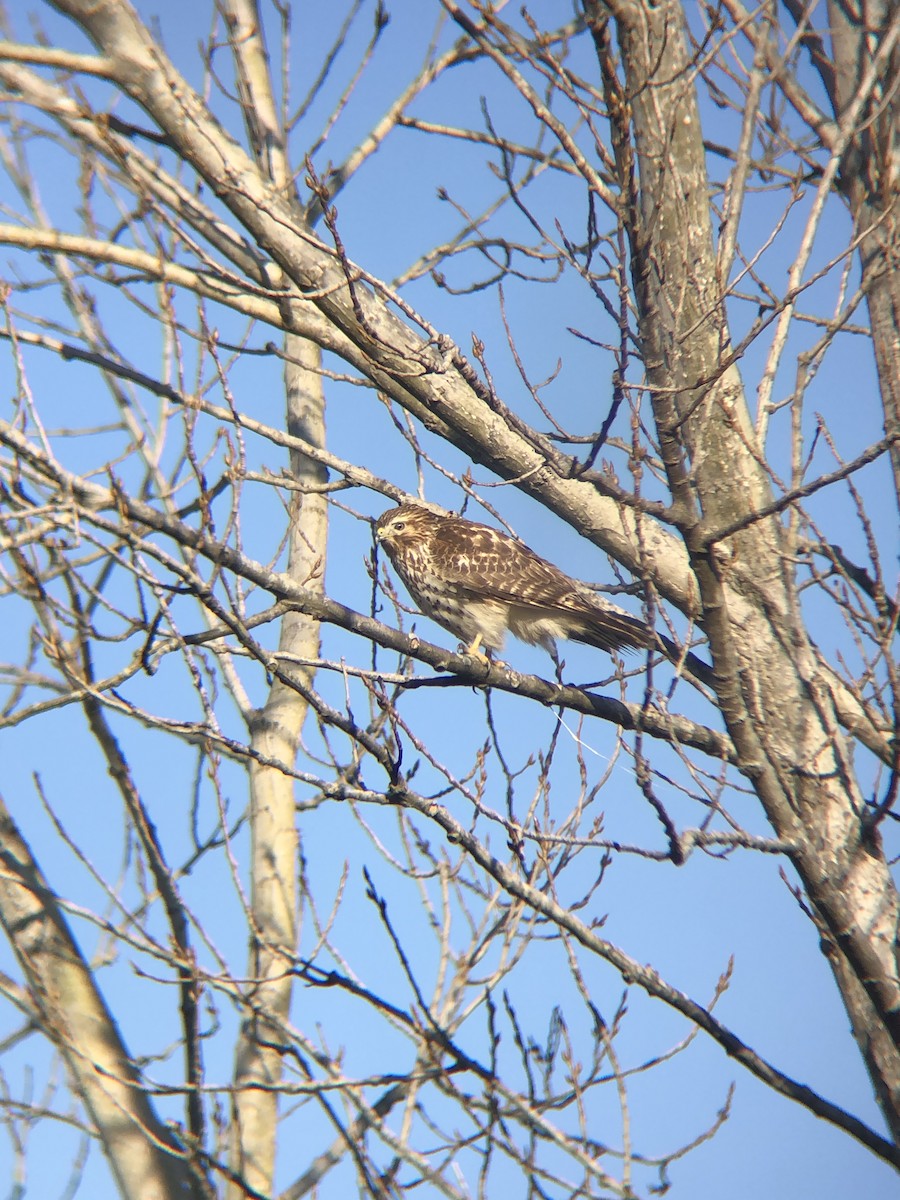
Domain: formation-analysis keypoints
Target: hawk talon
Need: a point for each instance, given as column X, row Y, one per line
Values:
column 484, row 656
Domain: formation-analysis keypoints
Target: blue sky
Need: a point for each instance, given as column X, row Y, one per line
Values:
column 687, row 922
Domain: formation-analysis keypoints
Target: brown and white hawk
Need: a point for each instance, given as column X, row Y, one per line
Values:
column 479, row 583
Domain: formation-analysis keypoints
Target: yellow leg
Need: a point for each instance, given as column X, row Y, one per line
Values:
column 474, row 648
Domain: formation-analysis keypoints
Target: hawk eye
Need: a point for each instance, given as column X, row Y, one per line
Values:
column 399, row 524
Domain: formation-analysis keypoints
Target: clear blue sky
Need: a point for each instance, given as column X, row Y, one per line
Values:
column 687, row 922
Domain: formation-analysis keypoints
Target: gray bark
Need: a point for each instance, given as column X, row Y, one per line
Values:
column 148, row 1163
column 275, row 729
column 772, row 694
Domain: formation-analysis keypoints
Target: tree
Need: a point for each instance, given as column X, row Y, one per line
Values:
column 336, row 917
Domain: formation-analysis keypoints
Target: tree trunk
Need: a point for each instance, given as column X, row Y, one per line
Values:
column 773, row 697
column 275, row 729
column 147, row 1162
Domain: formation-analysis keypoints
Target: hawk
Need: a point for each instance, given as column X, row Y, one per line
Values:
column 480, row 583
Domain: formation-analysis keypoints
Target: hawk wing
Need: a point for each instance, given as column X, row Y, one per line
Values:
column 544, row 603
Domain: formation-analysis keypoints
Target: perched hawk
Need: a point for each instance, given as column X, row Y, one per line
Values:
column 479, row 583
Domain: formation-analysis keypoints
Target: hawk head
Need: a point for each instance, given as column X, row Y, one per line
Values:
column 403, row 526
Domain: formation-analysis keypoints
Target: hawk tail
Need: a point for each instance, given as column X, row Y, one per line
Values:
column 615, row 630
